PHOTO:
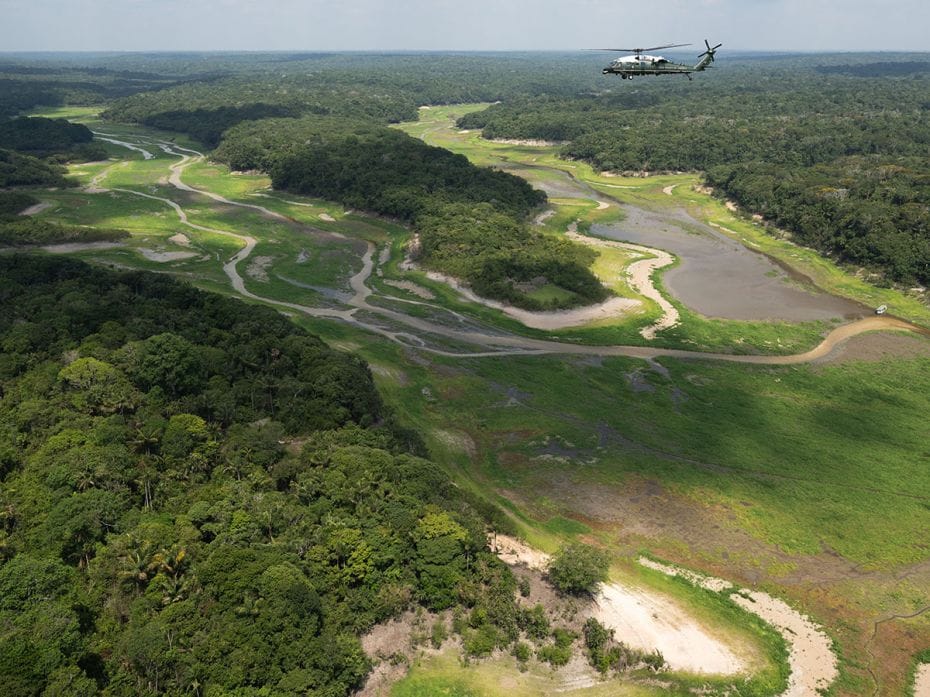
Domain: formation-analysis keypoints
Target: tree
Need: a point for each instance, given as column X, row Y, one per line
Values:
column 577, row 568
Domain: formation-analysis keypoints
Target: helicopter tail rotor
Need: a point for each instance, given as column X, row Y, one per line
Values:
column 710, row 51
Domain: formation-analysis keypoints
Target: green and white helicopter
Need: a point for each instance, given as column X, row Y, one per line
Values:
column 639, row 63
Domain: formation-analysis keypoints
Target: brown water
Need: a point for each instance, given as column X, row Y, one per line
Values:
column 719, row 277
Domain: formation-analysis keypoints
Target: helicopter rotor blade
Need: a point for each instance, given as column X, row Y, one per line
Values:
column 639, row 51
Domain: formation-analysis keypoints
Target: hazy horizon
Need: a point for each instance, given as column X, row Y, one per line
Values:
column 169, row 26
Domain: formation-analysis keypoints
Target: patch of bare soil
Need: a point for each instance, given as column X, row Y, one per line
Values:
column 258, row 268
column 180, row 239
column 390, row 645
column 813, row 663
column 327, row 217
column 878, row 347
column 163, row 257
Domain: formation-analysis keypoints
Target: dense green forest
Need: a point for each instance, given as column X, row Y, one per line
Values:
column 18, row 170
column 470, row 220
column 197, row 496
column 50, row 137
column 843, row 167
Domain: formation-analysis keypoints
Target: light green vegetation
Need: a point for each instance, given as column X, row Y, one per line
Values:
column 443, row 674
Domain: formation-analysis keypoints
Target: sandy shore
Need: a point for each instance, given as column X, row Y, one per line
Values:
column 922, row 681
column 640, row 275
column 813, row 663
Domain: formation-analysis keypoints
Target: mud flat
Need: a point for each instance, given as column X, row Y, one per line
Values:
column 164, row 257
column 719, row 277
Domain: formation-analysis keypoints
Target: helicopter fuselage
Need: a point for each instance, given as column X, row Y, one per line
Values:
column 630, row 66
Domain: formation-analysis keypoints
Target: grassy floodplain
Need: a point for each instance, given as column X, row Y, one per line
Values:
column 808, row 481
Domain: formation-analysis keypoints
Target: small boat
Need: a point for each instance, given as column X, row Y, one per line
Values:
column 881, row 309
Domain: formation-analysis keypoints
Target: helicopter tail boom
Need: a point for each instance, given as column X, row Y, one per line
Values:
column 707, row 57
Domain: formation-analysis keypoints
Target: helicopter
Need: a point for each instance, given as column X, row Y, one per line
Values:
column 639, row 63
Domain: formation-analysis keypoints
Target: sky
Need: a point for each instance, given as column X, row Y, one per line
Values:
column 454, row 25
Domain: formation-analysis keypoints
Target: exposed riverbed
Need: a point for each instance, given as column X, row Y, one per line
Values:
column 719, row 277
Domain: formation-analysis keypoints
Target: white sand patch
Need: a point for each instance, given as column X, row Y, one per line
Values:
column 731, row 206
column 813, row 663
column 716, row 585
column 465, row 132
column 922, row 681
column 669, row 189
column 602, row 205
column 618, row 186
column 37, row 208
column 327, row 217
column 163, row 257
column 180, row 239
column 649, row 621
column 411, row 287
column 517, row 553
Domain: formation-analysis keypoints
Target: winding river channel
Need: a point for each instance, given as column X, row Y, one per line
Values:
column 422, row 333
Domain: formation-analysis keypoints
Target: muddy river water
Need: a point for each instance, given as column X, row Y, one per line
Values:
column 719, row 277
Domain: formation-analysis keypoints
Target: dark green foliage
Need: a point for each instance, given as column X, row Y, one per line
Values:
column 578, row 568
column 159, row 540
column 605, row 654
column 13, row 202
column 21, row 232
column 23, row 170
column 43, row 137
column 559, row 652
column 387, row 171
column 208, row 125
